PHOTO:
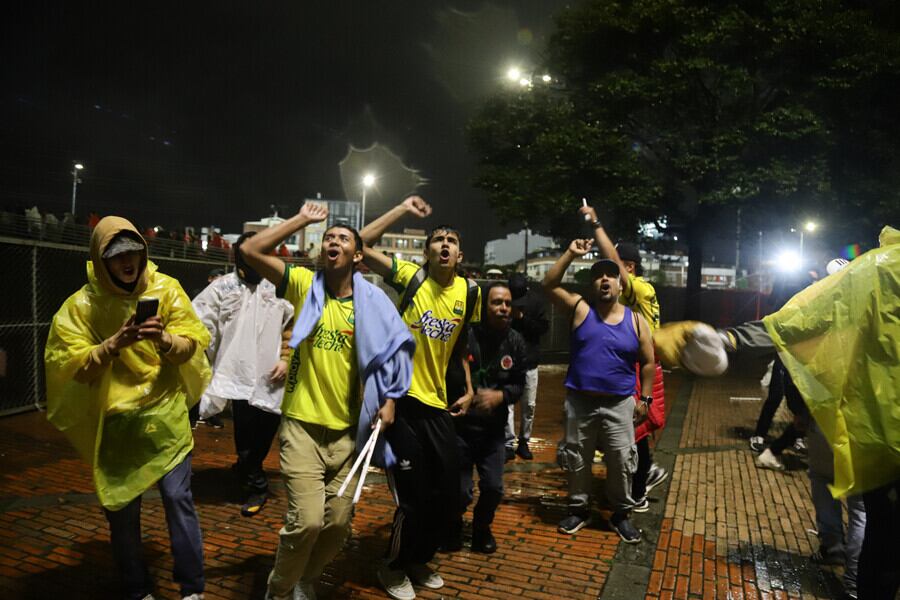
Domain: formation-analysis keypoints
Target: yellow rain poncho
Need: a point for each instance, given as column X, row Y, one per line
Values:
column 130, row 420
column 840, row 342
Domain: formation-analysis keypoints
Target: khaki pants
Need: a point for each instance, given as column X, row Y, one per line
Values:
column 315, row 461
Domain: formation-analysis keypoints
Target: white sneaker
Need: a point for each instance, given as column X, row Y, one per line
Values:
column 423, row 575
column 767, row 460
column 148, row 597
column 193, row 597
column 757, row 443
column 396, row 583
column 304, row 591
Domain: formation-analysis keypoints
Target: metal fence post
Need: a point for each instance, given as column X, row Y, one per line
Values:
column 34, row 330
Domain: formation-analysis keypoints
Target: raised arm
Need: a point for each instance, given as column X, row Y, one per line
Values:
column 411, row 205
column 553, row 280
column 606, row 247
column 257, row 249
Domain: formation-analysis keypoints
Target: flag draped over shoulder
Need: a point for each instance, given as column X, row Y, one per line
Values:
column 840, row 341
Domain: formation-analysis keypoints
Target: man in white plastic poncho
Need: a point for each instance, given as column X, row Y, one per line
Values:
column 839, row 340
column 119, row 390
column 246, row 321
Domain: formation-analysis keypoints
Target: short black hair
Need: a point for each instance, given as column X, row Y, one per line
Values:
column 356, row 237
column 447, row 228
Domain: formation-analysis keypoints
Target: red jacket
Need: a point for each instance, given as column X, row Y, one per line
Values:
column 656, row 418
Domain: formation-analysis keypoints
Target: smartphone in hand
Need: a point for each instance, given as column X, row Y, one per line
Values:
column 146, row 308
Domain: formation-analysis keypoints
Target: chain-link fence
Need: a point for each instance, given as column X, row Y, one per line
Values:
column 38, row 276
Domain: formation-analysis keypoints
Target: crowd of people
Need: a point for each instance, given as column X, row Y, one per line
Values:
column 326, row 361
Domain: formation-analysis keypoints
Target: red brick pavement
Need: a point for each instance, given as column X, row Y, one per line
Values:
column 55, row 539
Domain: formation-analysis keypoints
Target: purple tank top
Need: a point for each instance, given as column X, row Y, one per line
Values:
column 602, row 357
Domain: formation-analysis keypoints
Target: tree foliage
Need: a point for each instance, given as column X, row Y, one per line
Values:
column 675, row 108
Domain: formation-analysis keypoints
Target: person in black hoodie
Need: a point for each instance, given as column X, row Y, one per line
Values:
column 498, row 356
column 530, row 320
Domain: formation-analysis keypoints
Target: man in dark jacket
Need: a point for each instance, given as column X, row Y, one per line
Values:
column 530, row 320
column 498, row 358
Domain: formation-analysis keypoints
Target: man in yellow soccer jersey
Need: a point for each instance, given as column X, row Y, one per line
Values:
column 437, row 305
column 346, row 329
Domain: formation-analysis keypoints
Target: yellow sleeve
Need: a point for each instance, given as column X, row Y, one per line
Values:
column 295, row 284
column 402, row 272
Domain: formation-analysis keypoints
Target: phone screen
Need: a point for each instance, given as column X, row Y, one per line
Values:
column 146, row 308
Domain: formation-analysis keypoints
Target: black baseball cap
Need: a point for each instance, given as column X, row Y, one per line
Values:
column 629, row 252
column 604, row 266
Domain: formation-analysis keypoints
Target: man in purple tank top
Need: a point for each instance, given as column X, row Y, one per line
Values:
column 607, row 340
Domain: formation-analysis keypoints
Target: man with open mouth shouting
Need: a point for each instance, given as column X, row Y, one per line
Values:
column 346, row 329
column 607, row 340
column 437, row 304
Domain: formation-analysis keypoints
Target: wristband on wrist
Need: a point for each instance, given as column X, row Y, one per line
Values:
column 647, row 399
column 596, row 224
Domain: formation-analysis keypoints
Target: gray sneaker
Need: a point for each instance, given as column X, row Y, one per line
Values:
column 628, row 532
column 396, row 583
column 424, row 576
column 304, row 591
column 655, row 476
column 573, row 524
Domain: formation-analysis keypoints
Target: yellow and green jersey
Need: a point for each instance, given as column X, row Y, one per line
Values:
column 641, row 298
column 322, row 384
column 435, row 317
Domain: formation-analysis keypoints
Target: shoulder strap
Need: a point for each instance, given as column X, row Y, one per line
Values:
column 415, row 283
column 637, row 324
column 471, row 298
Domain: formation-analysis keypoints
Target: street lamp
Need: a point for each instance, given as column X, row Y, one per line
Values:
column 809, row 226
column 75, row 168
column 368, row 181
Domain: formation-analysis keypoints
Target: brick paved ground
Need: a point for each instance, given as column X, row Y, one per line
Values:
column 717, row 535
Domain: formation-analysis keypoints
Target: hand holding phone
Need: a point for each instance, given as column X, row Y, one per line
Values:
column 146, row 308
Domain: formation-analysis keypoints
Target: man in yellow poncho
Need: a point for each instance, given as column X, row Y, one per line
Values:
column 120, row 391
column 840, row 341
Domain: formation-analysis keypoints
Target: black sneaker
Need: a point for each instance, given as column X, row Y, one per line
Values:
column 483, row 540
column 655, row 476
column 573, row 523
column 628, row 532
column 253, row 505
column 510, row 453
column 523, row 451
column 215, row 422
column 757, row 443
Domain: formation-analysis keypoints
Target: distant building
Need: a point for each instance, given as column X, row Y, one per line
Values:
column 409, row 245
column 293, row 243
column 510, row 249
column 539, row 263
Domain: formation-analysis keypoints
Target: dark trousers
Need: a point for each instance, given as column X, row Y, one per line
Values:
column 773, row 400
column 645, row 461
column 254, row 430
column 184, row 535
column 425, row 481
column 879, row 563
column 485, row 450
column 797, row 429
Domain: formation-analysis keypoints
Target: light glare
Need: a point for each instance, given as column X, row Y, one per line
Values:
column 513, row 74
column 79, row 166
column 368, row 180
column 788, row 261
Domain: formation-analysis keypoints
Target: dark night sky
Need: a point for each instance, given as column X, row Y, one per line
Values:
column 197, row 113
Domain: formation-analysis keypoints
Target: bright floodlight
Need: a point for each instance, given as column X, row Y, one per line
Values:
column 546, row 78
column 810, row 226
column 368, row 180
column 788, row 261
column 513, row 74
column 524, row 82
column 79, row 166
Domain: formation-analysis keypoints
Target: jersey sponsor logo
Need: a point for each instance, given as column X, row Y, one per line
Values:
column 436, row 329
column 459, row 307
column 334, row 340
column 404, row 465
column 506, row 362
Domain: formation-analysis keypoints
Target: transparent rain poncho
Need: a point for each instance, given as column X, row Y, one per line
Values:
column 840, row 341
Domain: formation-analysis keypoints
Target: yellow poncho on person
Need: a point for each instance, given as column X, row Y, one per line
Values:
column 130, row 423
column 840, row 341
